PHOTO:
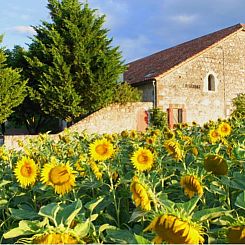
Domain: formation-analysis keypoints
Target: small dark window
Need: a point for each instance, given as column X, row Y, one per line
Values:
column 168, row 113
column 211, row 83
column 180, row 116
column 177, row 115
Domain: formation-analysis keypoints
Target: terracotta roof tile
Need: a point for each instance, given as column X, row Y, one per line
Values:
column 156, row 64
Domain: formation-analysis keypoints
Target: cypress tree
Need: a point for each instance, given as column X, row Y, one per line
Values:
column 73, row 64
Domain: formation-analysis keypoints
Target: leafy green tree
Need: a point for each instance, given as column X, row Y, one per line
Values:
column 126, row 93
column 239, row 104
column 73, row 62
column 28, row 113
column 12, row 87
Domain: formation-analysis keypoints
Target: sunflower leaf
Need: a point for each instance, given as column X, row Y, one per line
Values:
column 239, row 152
column 240, row 200
column 82, row 229
column 136, row 215
column 50, row 211
column 21, row 213
column 68, row 213
column 15, row 232
column 190, row 205
column 210, row 213
column 121, row 236
column 141, row 239
column 4, row 182
column 92, row 205
column 3, row 203
column 26, row 227
column 166, row 202
column 105, row 227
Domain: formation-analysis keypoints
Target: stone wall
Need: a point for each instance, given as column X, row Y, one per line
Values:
column 115, row 118
column 112, row 119
column 186, row 85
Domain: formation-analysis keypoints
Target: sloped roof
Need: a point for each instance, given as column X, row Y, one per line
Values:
column 156, row 64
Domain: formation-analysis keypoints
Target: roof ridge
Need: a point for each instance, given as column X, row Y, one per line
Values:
column 180, row 44
column 153, row 65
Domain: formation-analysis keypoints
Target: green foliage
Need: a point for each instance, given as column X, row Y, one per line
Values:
column 158, row 118
column 12, row 88
column 28, row 113
column 239, row 104
column 124, row 93
column 72, row 61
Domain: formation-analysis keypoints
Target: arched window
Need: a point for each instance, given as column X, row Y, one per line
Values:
column 211, row 83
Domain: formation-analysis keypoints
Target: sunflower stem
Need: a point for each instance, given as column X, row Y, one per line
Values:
column 184, row 165
column 116, row 205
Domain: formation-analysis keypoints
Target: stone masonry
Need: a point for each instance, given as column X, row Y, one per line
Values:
column 187, row 84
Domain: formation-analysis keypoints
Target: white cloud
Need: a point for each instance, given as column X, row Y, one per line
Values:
column 133, row 48
column 116, row 12
column 24, row 29
column 184, row 18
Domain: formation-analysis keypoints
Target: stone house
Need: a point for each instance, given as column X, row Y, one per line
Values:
column 196, row 80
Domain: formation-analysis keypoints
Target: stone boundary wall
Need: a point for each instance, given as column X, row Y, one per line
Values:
column 112, row 119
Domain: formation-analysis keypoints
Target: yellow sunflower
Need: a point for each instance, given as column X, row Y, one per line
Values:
column 174, row 149
column 215, row 164
column 133, row 134
column 140, row 195
column 79, row 165
column 156, row 132
column 150, row 140
column 101, row 149
column 195, row 151
column 60, row 176
column 214, row 135
column 194, row 123
column 55, row 238
column 26, row 171
column 124, row 133
column 98, row 174
column 236, row 234
column 142, row 159
column 187, row 139
column 224, row 129
column 191, row 185
column 169, row 134
column 172, row 229
column 80, row 169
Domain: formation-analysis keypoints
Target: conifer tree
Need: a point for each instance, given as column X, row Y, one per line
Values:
column 72, row 60
column 12, row 88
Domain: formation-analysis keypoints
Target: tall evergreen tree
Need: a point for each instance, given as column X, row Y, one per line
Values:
column 73, row 62
column 12, row 88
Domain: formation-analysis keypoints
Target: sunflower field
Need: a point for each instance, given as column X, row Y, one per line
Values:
column 185, row 185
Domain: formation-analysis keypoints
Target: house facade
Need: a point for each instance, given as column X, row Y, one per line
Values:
column 196, row 80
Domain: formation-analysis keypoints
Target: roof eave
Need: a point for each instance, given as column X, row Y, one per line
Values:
column 146, row 81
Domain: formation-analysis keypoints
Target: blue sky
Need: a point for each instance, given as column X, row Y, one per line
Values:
column 139, row 27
